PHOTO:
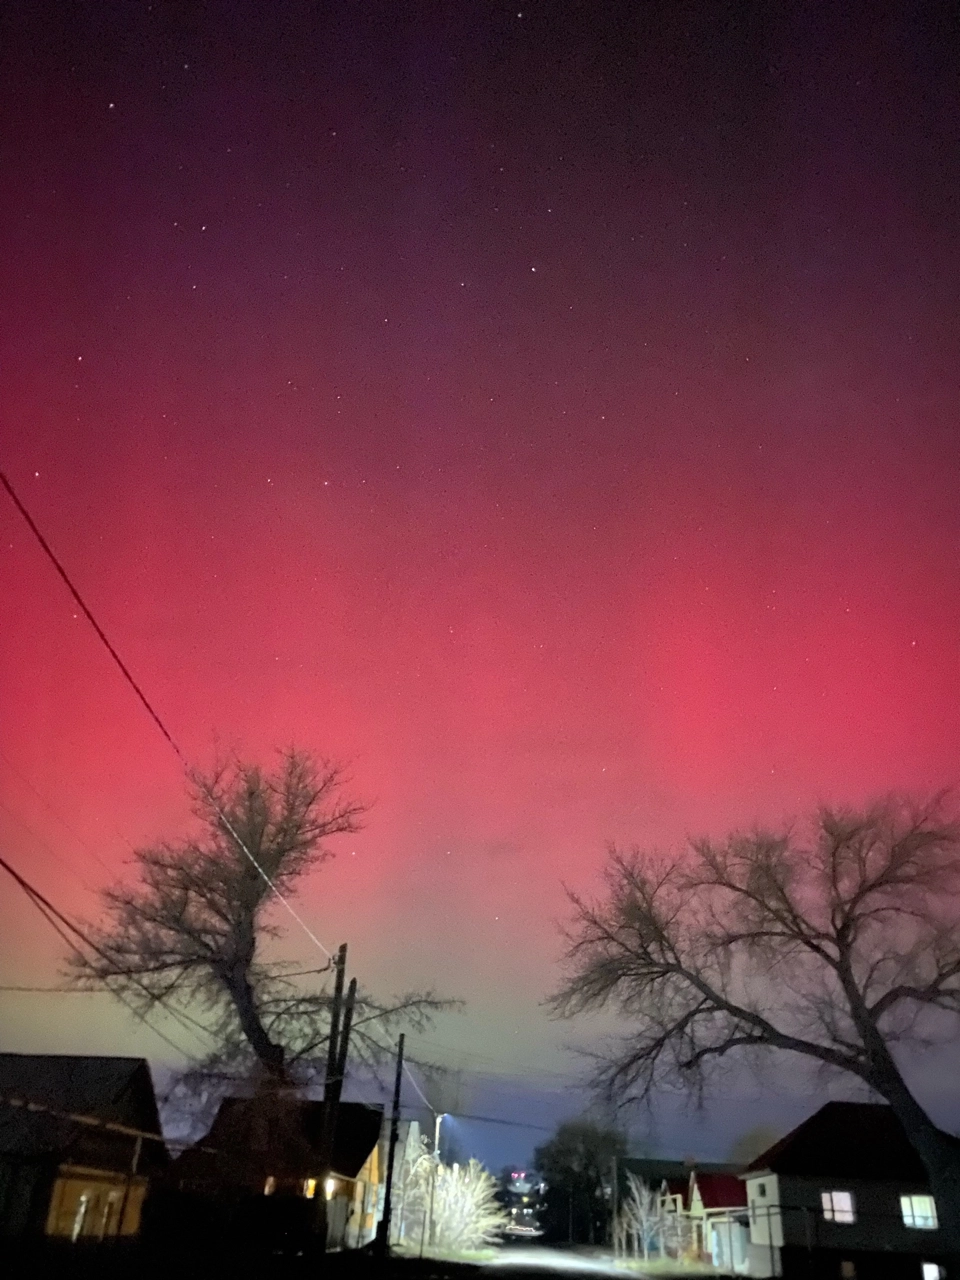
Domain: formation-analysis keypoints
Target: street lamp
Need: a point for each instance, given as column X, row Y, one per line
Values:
column 438, row 1120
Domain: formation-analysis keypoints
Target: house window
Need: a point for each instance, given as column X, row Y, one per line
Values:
column 270, row 1186
column 919, row 1211
column 933, row 1271
column 309, row 1187
column 762, row 1189
column 838, row 1206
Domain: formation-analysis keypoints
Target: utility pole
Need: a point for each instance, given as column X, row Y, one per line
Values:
column 331, row 1096
column 383, row 1229
column 335, row 1087
column 614, row 1207
column 333, row 1045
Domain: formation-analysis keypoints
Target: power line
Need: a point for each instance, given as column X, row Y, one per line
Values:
column 50, row 809
column 96, row 1122
column 45, row 845
column 514, row 1069
column 151, row 711
column 59, row 991
column 461, row 1115
column 55, row 918
column 155, row 716
column 516, row 1124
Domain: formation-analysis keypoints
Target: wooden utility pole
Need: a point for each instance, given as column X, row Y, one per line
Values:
column 331, row 1096
column 335, row 1086
column 333, row 1045
column 614, row 1205
column 383, row 1229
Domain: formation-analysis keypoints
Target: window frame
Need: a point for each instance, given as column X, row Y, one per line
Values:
column 845, row 1215
column 910, row 1214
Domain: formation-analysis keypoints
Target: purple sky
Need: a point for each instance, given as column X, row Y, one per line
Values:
column 549, row 409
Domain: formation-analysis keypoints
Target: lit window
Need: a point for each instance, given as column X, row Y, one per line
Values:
column 933, row 1271
column 919, row 1211
column 269, row 1186
column 329, row 1187
column 838, row 1206
column 309, row 1187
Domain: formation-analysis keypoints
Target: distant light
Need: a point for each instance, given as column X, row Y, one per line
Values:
column 329, row 1187
column 309, row 1187
column 270, row 1186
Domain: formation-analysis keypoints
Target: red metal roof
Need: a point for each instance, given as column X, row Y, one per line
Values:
column 721, row 1190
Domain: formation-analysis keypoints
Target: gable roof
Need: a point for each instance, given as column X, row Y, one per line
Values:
column 116, row 1090
column 255, row 1138
column 677, row 1187
column 720, row 1190
column 846, row 1140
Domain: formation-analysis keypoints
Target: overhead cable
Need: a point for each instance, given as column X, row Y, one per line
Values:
column 55, row 918
column 152, row 712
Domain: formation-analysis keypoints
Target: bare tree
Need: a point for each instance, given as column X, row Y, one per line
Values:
column 453, row 1207
column 189, row 933
column 840, row 947
column 639, row 1223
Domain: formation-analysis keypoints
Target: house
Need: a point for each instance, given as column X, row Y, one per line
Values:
column 843, row 1196
column 717, row 1206
column 79, row 1141
column 704, row 1208
column 263, row 1166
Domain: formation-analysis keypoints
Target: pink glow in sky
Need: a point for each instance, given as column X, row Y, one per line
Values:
column 556, row 422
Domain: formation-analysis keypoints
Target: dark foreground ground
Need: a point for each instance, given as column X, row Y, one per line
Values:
column 72, row 1263
column 516, row 1262
column 526, row 1262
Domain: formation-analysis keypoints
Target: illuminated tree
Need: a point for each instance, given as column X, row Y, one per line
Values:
column 839, row 947
column 188, row 933
column 644, row 1224
column 452, row 1208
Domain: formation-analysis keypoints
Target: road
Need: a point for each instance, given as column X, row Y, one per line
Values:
column 538, row 1257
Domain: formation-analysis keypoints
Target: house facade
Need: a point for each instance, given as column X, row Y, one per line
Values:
column 717, row 1206
column 266, row 1163
column 79, row 1144
column 846, row 1197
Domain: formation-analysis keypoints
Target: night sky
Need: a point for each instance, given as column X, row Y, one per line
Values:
column 549, row 409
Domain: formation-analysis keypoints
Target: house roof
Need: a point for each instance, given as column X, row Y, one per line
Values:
column 721, row 1190
column 846, row 1139
column 678, row 1187
column 254, row 1138
column 116, row 1090
column 652, row 1171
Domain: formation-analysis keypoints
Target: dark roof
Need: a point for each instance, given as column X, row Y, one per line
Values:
column 254, row 1138
column 118, row 1090
column 652, row 1171
column 721, row 1190
column 846, row 1140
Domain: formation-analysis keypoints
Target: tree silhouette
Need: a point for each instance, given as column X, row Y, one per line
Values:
column 189, row 932
column 839, row 947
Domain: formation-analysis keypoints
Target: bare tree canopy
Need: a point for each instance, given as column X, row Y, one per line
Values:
column 839, row 944
column 188, row 932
